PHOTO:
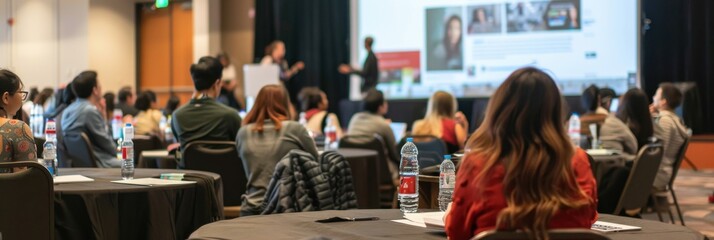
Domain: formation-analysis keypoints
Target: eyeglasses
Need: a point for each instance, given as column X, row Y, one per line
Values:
column 24, row 94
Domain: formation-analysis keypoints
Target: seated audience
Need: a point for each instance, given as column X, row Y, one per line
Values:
column 171, row 105
column 17, row 142
column 443, row 121
column 204, row 118
column 521, row 172
column 314, row 103
column 66, row 97
column 633, row 112
column 30, row 102
column 670, row 129
column 127, row 99
column 148, row 119
column 594, row 113
column 620, row 129
column 85, row 115
column 109, row 104
column 606, row 96
column 267, row 136
column 371, row 121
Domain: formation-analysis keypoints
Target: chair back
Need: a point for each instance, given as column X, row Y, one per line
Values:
column 371, row 142
column 219, row 157
column 27, row 203
column 145, row 142
column 557, row 234
column 39, row 145
column 79, row 150
column 678, row 160
column 642, row 175
column 431, row 149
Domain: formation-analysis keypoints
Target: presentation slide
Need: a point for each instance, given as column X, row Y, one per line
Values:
column 468, row 47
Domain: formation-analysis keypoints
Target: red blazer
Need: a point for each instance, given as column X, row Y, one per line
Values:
column 475, row 211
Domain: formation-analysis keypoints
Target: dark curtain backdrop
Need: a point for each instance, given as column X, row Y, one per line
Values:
column 678, row 47
column 315, row 32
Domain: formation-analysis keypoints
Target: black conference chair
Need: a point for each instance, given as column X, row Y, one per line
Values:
column 670, row 189
column 639, row 184
column 387, row 184
column 556, row 234
column 220, row 157
column 27, row 203
column 145, row 142
column 79, row 150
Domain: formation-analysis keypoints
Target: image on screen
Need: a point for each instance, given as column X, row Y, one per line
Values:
column 468, row 47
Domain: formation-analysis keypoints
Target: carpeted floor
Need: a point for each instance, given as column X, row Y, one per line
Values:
column 693, row 190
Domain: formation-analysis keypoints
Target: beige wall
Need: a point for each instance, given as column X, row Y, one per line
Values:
column 237, row 28
column 112, row 42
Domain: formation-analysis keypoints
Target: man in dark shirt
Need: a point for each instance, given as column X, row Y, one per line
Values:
column 370, row 68
column 127, row 98
column 204, row 118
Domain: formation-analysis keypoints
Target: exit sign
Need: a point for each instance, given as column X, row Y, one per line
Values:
column 162, row 3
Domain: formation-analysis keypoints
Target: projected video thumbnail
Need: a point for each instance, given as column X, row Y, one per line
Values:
column 484, row 19
column 543, row 15
column 444, row 28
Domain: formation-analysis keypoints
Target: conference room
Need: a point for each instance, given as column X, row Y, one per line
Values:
column 356, row 119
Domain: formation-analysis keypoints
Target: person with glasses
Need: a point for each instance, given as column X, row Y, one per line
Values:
column 16, row 141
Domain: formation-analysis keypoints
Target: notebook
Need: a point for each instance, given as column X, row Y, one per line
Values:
column 612, row 227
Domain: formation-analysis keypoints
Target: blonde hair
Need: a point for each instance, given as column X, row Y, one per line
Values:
column 524, row 131
column 441, row 105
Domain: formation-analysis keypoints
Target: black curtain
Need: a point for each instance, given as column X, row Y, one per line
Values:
column 315, row 32
column 679, row 47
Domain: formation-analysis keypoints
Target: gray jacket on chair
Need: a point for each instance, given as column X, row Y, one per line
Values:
column 300, row 183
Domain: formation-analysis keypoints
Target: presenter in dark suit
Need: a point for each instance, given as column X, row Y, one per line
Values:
column 370, row 68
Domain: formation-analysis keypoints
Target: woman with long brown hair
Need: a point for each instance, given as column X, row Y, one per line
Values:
column 268, row 135
column 443, row 121
column 520, row 171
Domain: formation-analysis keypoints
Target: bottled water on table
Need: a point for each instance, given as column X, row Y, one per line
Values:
column 574, row 129
column 117, row 124
column 447, row 181
column 127, row 153
column 330, row 133
column 49, row 149
column 409, row 178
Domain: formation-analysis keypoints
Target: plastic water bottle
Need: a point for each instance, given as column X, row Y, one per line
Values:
column 330, row 133
column 447, row 181
column 168, row 134
column 36, row 120
column 574, row 129
column 49, row 149
column 127, row 153
column 409, row 178
column 117, row 124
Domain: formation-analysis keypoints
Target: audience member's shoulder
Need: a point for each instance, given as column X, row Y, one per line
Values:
column 580, row 155
column 290, row 124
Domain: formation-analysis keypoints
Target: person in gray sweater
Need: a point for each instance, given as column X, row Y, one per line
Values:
column 266, row 137
column 371, row 121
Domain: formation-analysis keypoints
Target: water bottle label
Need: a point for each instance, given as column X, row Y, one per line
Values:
column 407, row 185
column 448, row 180
column 127, row 152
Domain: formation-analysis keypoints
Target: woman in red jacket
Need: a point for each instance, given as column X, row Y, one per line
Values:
column 520, row 171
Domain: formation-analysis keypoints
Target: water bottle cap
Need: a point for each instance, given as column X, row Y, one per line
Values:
column 127, row 125
column 410, row 139
column 447, row 157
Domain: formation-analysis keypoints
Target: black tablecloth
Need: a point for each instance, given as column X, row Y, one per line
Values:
column 106, row 210
column 303, row 226
column 363, row 163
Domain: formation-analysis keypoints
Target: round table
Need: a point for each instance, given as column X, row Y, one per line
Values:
column 105, row 210
column 303, row 226
column 363, row 163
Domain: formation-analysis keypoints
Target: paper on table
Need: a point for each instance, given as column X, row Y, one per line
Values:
column 152, row 182
column 71, row 179
column 419, row 217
